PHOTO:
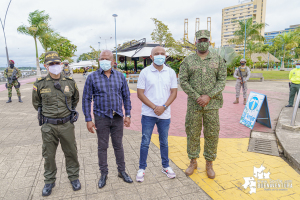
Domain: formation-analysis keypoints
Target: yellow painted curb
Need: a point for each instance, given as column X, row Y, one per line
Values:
column 233, row 164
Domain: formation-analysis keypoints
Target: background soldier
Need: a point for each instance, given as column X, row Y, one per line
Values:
column 48, row 95
column 67, row 70
column 241, row 71
column 12, row 74
column 202, row 77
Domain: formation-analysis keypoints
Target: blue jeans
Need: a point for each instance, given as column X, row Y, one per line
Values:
column 147, row 129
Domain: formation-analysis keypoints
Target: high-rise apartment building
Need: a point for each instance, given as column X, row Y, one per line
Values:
column 244, row 10
column 271, row 35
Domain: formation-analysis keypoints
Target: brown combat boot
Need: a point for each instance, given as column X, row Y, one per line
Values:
column 236, row 101
column 245, row 101
column 209, row 170
column 193, row 165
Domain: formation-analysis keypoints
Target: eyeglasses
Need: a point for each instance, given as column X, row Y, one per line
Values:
column 54, row 63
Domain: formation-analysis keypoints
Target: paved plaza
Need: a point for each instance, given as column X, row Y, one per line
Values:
column 21, row 162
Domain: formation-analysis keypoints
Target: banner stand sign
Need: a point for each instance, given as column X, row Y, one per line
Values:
column 256, row 110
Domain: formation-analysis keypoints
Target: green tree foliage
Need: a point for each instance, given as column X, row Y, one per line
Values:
column 252, row 32
column 38, row 24
column 286, row 41
column 93, row 55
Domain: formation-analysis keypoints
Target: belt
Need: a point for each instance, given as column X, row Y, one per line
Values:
column 56, row 121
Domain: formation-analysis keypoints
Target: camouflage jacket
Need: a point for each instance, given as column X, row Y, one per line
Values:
column 203, row 77
column 9, row 71
column 52, row 100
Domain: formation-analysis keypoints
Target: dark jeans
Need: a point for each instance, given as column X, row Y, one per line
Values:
column 147, row 129
column 114, row 127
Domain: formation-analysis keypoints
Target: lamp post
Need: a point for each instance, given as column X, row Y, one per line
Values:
column 3, row 27
column 105, row 40
column 115, row 16
column 245, row 39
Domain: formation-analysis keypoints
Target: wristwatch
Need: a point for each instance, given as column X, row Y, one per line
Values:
column 166, row 107
column 128, row 116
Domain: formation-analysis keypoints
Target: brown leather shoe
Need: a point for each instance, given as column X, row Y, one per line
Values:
column 245, row 101
column 236, row 101
column 193, row 165
column 209, row 170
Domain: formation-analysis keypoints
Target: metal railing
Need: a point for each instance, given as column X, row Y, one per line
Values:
column 295, row 109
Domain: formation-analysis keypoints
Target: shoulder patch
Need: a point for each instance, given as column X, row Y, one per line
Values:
column 35, row 88
column 40, row 79
column 70, row 77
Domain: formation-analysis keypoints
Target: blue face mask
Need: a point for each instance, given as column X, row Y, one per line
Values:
column 298, row 66
column 105, row 64
column 159, row 60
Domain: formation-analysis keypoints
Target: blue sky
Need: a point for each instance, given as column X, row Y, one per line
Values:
column 84, row 22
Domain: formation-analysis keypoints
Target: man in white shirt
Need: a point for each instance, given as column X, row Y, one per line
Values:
column 157, row 89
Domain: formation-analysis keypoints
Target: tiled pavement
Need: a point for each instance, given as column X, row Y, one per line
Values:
column 21, row 163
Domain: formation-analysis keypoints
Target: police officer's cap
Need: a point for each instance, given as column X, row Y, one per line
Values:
column 66, row 62
column 51, row 56
column 243, row 60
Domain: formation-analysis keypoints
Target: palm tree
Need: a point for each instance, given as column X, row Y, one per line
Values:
column 286, row 41
column 48, row 38
column 38, row 24
column 252, row 32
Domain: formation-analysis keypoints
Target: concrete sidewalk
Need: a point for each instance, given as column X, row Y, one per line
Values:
column 21, row 162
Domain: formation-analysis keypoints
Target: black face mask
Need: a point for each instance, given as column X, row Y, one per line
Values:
column 66, row 64
column 242, row 64
column 11, row 65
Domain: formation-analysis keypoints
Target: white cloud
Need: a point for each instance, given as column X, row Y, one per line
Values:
column 83, row 22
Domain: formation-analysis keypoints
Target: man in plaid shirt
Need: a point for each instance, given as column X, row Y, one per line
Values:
column 109, row 90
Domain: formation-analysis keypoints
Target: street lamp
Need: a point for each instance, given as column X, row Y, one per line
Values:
column 115, row 16
column 3, row 27
column 245, row 40
column 105, row 40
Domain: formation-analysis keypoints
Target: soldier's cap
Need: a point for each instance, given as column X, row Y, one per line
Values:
column 202, row 34
column 66, row 61
column 51, row 56
column 11, row 61
column 243, row 60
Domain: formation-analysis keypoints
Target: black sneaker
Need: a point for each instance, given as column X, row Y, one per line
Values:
column 48, row 189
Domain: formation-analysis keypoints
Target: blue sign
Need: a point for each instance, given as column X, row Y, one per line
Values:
column 256, row 110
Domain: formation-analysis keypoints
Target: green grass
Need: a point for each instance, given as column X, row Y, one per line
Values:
column 268, row 75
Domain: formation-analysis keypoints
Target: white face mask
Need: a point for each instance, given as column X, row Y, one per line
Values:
column 55, row 69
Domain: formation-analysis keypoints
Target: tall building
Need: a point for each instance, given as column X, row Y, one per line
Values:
column 271, row 35
column 244, row 10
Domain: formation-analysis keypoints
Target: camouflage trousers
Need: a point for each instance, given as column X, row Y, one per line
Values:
column 238, row 87
column 9, row 88
column 193, row 128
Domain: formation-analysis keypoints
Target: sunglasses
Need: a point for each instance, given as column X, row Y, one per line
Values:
column 54, row 63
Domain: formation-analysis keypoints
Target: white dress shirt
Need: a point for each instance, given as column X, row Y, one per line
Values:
column 157, row 86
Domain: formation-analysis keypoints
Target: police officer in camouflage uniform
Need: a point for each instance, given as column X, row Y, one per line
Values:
column 8, row 72
column 241, row 71
column 202, row 77
column 57, row 118
column 67, row 70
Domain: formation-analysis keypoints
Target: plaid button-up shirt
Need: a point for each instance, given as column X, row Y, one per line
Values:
column 108, row 94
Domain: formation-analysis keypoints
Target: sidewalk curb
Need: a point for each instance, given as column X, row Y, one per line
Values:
column 289, row 140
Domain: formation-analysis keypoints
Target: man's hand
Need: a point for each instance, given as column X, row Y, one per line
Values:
column 240, row 78
column 127, row 122
column 91, row 126
column 159, row 110
column 203, row 100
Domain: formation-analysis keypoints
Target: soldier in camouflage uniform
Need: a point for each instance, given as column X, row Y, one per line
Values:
column 67, row 70
column 202, row 77
column 57, row 126
column 241, row 71
column 7, row 74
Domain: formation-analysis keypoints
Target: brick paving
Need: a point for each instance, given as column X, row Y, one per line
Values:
column 21, row 162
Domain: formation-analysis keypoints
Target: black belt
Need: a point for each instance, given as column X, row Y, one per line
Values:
column 56, row 121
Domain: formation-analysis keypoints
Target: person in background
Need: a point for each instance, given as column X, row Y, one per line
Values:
column 242, row 72
column 294, row 77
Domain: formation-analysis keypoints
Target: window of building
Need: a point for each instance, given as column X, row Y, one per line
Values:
column 241, row 17
column 226, row 19
column 227, row 23
column 254, row 11
column 255, row 6
column 233, row 15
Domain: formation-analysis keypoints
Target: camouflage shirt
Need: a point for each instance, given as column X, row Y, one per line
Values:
column 52, row 100
column 203, row 77
column 9, row 71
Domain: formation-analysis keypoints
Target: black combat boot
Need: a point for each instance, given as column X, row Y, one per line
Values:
column 9, row 100
column 20, row 100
